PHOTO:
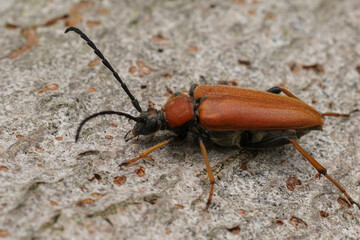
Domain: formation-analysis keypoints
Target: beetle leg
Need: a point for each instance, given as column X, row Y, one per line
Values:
column 283, row 140
column 145, row 153
column 332, row 114
column 270, row 143
column 209, row 172
column 322, row 171
column 278, row 90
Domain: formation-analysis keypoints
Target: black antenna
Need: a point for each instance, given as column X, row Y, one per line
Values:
column 107, row 64
column 136, row 119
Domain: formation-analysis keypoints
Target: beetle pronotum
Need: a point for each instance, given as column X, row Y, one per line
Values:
column 228, row 116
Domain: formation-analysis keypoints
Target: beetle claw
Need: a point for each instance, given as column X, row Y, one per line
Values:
column 207, row 205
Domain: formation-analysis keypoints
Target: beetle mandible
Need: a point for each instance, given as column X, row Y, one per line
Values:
column 228, row 116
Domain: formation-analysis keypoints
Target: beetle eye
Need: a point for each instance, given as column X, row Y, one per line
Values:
column 149, row 124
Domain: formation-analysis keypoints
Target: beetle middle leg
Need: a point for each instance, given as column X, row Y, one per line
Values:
column 145, row 153
column 209, row 172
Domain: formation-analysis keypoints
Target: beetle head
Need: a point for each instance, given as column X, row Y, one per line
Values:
column 151, row 122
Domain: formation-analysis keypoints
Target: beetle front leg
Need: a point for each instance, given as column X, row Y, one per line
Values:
column 145, row 153
column 322, row 171
column 209, row 172
column 278, row 90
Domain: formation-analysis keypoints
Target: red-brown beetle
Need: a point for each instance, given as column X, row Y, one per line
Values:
column 228, row 116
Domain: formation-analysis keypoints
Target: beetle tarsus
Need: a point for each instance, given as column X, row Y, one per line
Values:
column 209, row 172
column 332, row 114
column 208, row 204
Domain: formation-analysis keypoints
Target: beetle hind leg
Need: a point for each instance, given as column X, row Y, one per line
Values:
column 209, row 172
column 322, row 171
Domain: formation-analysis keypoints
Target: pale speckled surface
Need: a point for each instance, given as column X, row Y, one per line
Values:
column 46, row 178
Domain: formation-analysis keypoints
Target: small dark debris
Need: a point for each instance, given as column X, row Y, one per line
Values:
column 97, row 177
column 132, row 69
column 244, row 62
column 35, row 186
column 11, row 26
column 358, row 69
column 55, row 20
column 158, row 38
column 91, row 23
column 143, row 68
column 234, row 230
column 140, row 171
column 324, row 214
column 243, row 166
column 278, row 222
column 109, row 137
column 143, row 86
column 93, row 62
column 169, row 90
column 292, row 182
column 252, row 12
column 119, row 180
column 297, row 222
column 108, row 221
column 166, row 75
column 160, row 50
column 270, row 15
column 193, row 48
column 233, row 82
column 317, row 68
column 242, row 211
column 4, row 168
column 152, row 199
column 294, row 68
column 82, row 202
column 87, row 153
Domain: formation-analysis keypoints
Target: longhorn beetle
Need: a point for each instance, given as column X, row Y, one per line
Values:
column 228, row 116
